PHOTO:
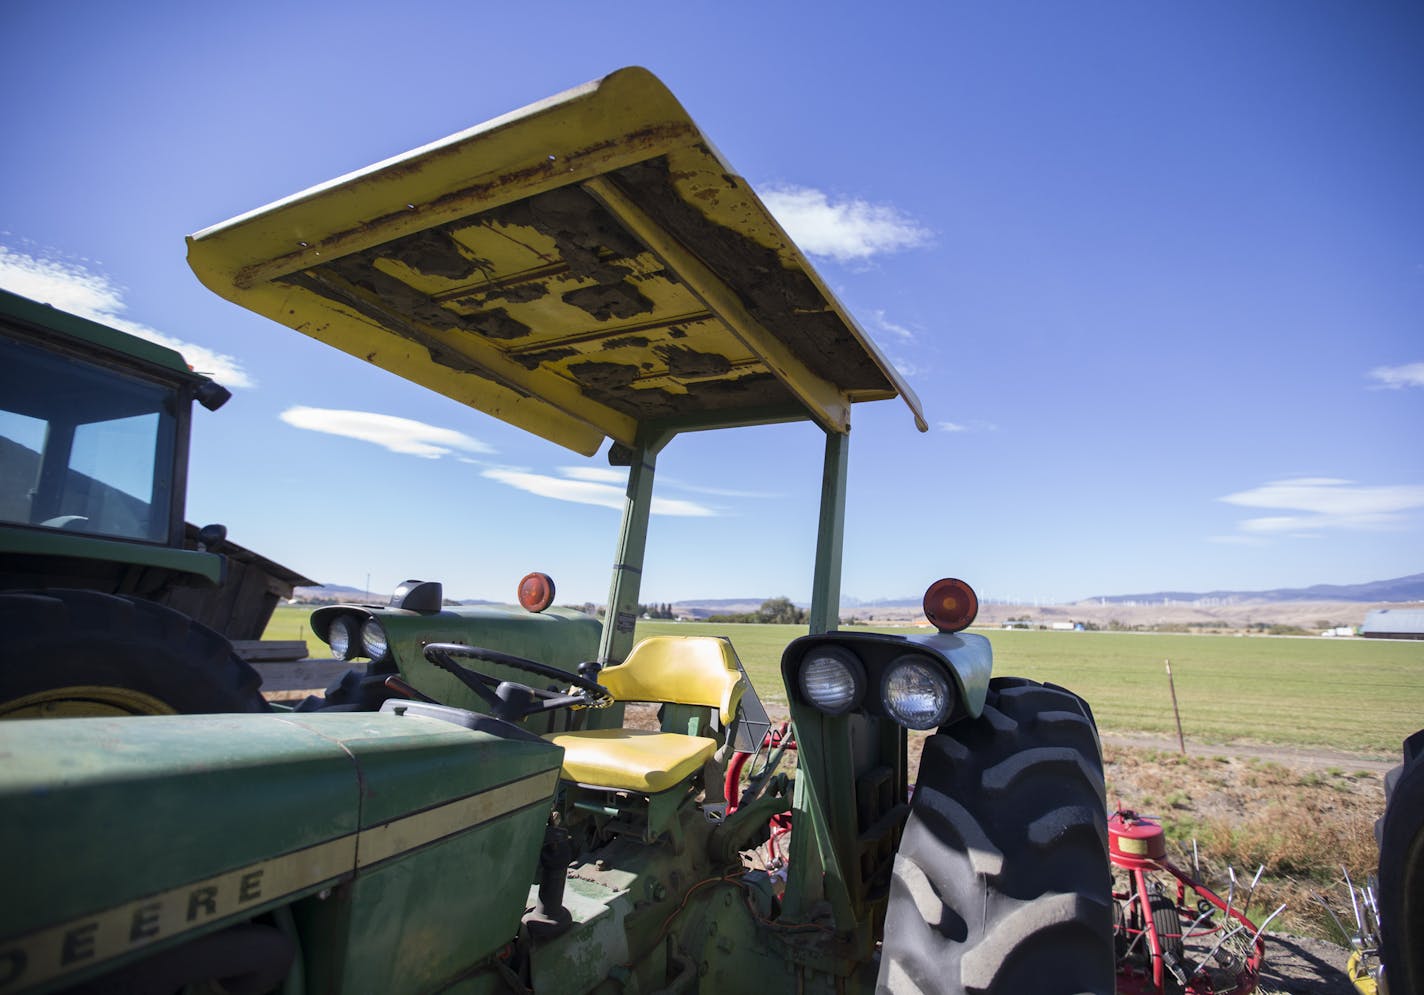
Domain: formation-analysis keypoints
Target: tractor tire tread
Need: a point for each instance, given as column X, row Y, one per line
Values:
column 56, row 638
column 1001, row 883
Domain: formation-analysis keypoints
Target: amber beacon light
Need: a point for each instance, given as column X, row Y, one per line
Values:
column 536, row 592
column 951, row 604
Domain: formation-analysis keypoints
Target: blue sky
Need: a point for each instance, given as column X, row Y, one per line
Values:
column 1156, row 272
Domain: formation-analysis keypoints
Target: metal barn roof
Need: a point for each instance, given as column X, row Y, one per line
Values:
column 1394, row 623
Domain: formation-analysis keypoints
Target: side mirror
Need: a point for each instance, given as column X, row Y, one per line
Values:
column 212, row 537
column 212, row 395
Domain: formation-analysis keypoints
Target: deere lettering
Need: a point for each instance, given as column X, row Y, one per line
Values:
column 51, row 953
column 54, row 952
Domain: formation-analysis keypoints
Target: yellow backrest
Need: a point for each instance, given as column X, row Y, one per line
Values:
column 679, row 670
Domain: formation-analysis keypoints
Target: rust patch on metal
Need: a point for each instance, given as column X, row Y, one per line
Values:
column 434, row 253
column 465, row 200
column 625, row 342
column 496, row 324
column 684, row 362
column 515, row 293
column 784, row 301
column 531, row 360
column 603, row 376
column 394, row 301
column 587, row 239
column 610, row 300
column 330, row 288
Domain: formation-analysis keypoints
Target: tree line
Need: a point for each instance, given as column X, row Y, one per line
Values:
column 773, row 611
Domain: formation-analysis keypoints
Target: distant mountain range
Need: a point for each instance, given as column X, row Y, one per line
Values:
column 1409, row 588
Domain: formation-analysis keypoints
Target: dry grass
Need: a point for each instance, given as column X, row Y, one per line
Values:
column 1301, row 824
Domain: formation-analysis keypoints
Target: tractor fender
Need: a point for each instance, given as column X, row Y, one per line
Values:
column 160, row 829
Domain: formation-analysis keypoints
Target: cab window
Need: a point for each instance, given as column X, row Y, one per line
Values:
column 83, row 448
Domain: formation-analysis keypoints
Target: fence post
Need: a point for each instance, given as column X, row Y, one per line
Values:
column 1181, row 743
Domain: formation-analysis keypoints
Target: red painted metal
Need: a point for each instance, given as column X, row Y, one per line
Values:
column 1153, row 921
column 732, row 786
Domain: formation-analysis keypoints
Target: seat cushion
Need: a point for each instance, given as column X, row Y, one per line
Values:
column 631, row 759
column 679, row 670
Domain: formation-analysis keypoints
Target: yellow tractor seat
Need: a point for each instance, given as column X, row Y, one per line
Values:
column 676, row 670
column 631, row 759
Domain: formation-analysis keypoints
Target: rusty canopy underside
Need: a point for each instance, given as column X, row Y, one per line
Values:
column 586, row 268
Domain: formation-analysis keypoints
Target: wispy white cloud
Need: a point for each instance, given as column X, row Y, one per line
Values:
column 978, row 425
column 596, row 474
column 585, row 491
column 75, row 288
column 725, row 492
column 399, row 435
column 1398, row 377
column 845, row 229
column 1314, row 504
column 889, row 327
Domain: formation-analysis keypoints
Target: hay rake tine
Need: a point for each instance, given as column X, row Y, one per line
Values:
column 1215, row 947
column 1331, row 912
column 1262, row 928
column 1188, row 934
column 1252, row 891
column 1354, row 903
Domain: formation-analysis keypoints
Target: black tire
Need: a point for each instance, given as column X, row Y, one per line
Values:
column 1168, row 923
column 1401, row 872
column 66, row 652
column 1001, row 883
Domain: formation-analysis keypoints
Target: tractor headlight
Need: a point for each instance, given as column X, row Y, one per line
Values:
column 832, row 679
column 339, row 636
column 373, row 636
column 916, row 693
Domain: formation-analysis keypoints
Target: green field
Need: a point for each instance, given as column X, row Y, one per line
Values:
column 1349, row 694
column 1358, row 695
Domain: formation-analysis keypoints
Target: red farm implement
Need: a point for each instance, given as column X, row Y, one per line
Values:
column 1173, row 935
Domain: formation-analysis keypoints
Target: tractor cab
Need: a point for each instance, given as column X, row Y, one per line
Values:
column 94, row 427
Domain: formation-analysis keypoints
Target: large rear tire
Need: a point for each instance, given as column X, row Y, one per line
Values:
column 1001, row 884
column 72, row 653
column 1401, row 872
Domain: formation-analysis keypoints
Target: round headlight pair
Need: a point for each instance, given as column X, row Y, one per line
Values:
column 342, row 638
column 913, row 691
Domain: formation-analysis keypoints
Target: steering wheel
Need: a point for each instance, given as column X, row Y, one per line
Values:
column 508, row 699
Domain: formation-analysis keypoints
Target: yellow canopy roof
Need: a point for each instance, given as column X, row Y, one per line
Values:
column 586, row 267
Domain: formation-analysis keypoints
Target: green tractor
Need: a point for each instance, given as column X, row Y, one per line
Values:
column 94, row 427
column 471, row 811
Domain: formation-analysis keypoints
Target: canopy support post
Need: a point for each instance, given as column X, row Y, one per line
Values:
column 621, row 615
column 830, row 536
